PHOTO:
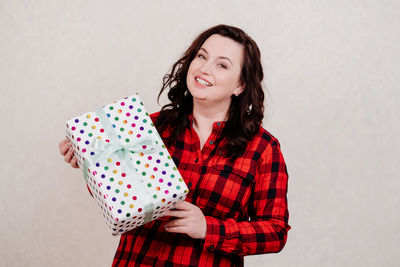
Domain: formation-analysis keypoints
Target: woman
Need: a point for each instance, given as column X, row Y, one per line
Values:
column 234, row 168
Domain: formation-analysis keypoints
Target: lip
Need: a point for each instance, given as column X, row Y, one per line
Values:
column 203, row 80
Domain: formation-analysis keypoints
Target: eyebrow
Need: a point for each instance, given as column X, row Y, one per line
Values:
column 218, row 57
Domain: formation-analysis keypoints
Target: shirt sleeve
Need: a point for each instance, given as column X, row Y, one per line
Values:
column 267, row 227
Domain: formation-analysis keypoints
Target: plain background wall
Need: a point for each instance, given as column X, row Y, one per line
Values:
column 332, row 73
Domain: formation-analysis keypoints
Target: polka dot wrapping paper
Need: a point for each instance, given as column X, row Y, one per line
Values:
column 126, row 165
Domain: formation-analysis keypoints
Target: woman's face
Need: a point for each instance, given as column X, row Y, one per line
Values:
column 214, row 74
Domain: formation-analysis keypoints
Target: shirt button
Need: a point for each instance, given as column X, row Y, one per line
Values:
column 211, row 142
column 196, row 160
column 190, row 184
column 218, row 123
column 211, row 247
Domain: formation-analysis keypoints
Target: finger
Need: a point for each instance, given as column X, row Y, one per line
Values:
column 176, row 223
column 74, row 162
column 64, row 145
column 63, row 142
column 182, row 230
column 69, row 155
column 184, row 205
column 176, row 213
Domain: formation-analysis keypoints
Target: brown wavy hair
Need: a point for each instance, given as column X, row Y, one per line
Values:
column 245, row 113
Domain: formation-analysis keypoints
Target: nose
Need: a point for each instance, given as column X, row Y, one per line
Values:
column 205, row 67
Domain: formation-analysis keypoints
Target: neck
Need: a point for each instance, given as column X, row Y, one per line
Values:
column 204, row 116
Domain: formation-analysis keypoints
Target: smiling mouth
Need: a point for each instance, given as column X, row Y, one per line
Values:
column 203, row 82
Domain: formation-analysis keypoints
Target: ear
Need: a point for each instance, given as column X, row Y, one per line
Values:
column 239, row 90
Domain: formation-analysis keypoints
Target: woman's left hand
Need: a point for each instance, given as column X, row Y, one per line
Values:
column 191, row 220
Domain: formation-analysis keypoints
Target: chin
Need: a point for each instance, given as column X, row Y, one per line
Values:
column 197, row 96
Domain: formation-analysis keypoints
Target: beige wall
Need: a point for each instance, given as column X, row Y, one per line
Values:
column 332, row 69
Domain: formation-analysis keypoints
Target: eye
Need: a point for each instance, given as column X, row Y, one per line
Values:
column 201, row 56
column 222, row 66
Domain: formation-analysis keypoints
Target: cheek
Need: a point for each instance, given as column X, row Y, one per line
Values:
column 227, row 81
column 189, row 72
column 193, row 65
column 233, row 80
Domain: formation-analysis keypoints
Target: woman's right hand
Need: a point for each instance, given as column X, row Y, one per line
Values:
column 68, row 153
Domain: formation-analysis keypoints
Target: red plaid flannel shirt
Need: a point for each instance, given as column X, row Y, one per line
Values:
column 244, row 204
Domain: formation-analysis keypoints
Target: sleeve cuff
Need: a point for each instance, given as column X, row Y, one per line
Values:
column 214, row 235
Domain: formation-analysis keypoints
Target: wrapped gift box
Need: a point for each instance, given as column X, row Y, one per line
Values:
column 125, row 163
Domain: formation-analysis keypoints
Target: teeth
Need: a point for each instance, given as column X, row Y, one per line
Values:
column 203, row 82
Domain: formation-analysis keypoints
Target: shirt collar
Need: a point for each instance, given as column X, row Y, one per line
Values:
column 216, row 124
